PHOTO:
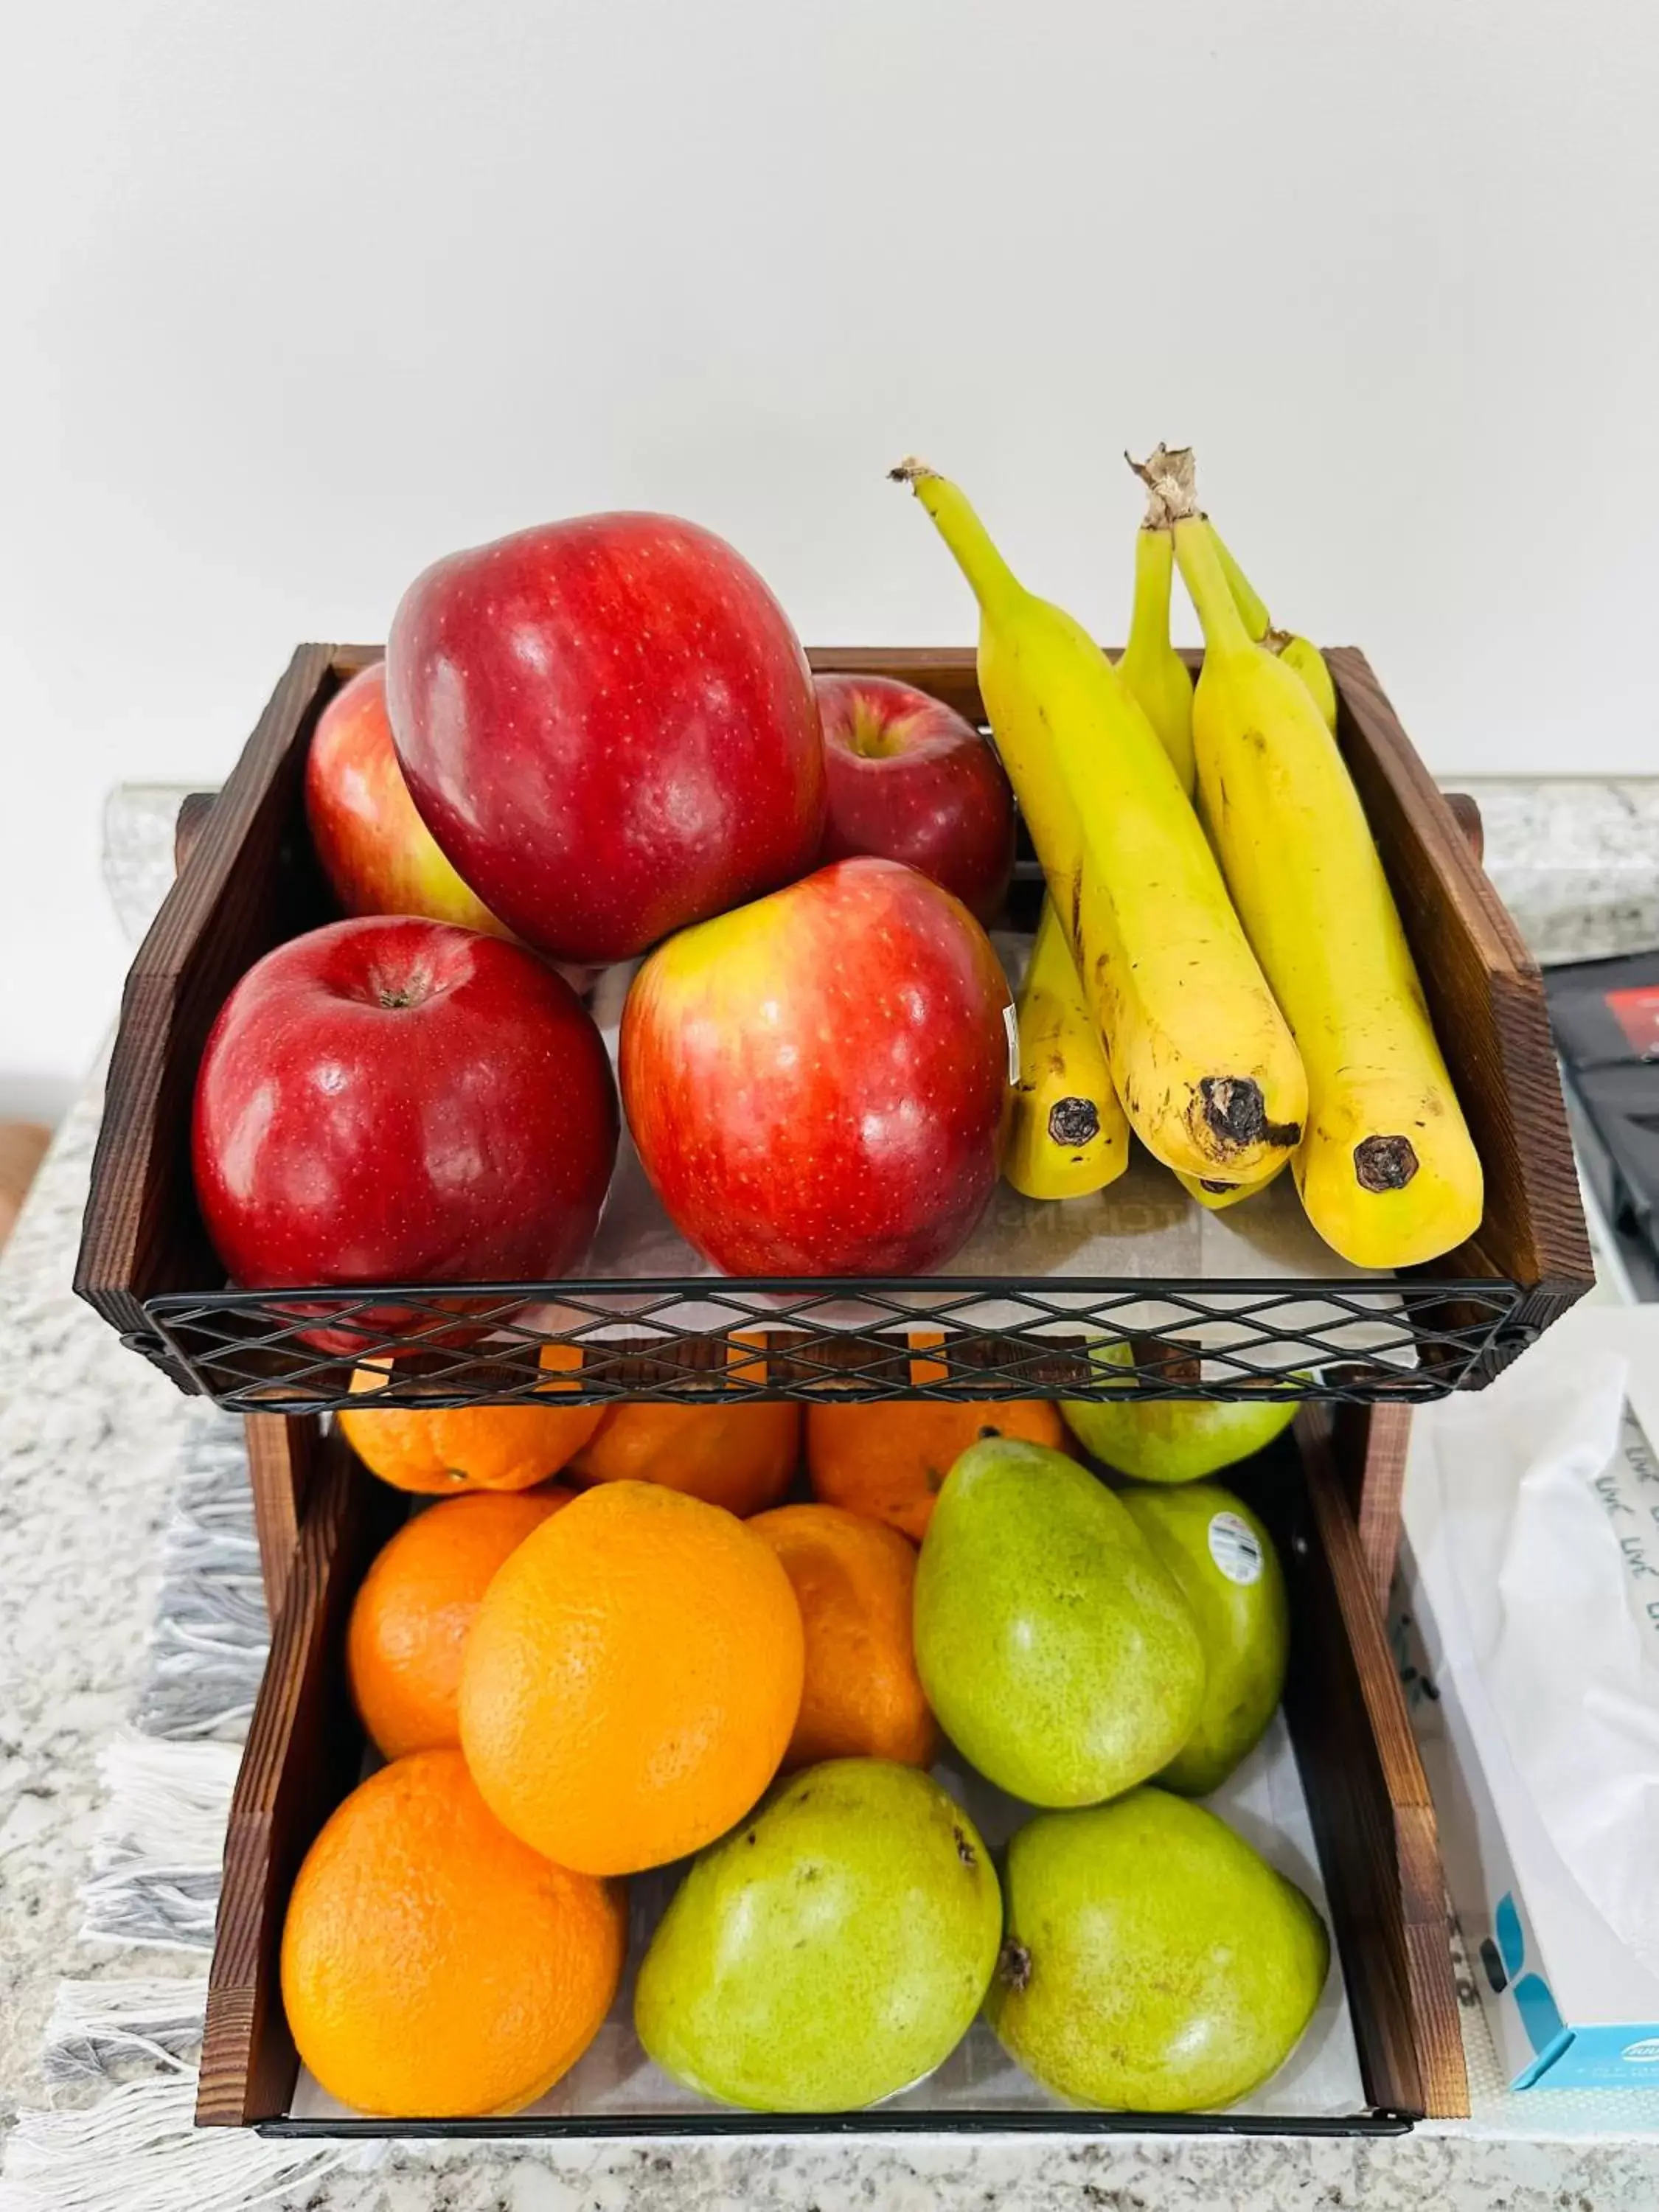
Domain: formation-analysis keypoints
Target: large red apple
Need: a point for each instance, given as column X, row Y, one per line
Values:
column 816, row 1082
column 609, row 726
column 398, row 1101
column 910, row 779
column 377, row 855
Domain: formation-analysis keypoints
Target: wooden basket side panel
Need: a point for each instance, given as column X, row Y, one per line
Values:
column 235, row 898
column 944, row 671
column 1372, row 1815
column 303, row 1751
column 1485, row 994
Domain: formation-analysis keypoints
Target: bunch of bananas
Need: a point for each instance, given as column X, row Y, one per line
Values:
column 1219, row 965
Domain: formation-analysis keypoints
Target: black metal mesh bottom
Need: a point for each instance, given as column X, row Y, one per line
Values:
column 691, row 1339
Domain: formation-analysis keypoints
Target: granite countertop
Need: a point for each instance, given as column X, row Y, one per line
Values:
column 88, row 1442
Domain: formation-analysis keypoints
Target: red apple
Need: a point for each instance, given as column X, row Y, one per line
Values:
column 398, row 1101
column 910, row 779
column 609, row 726
column 816, row 1082
column 377, row 855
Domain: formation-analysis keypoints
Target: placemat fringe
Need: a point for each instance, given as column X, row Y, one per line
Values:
column 138, row 2149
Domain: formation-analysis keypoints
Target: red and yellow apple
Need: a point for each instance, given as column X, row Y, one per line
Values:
column 609, row 728
column 392, row 1100
column 816, row 1082
column 377, row 855
column 909, row 779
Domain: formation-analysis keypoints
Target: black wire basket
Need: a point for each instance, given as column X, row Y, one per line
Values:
column 693, row 1340
column 993, row 1330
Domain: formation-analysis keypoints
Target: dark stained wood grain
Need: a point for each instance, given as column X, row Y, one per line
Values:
column 193, row 811
column 1370, row 1446
column 283, row 1451
column 303, row 1751
column 1372, row 1816
column 1465, row 811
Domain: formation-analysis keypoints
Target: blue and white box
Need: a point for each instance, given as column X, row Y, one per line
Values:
column 1571, row 2001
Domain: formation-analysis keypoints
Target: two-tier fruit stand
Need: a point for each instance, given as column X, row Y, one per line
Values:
column 1358, row 1350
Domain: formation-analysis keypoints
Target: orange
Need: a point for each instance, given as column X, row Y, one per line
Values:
column 435, row 1967
column 632, row 1678
column 889, row 1460
column 471, row 1447
column 415, row 1608
column 742, row 1457
column 853, row 1579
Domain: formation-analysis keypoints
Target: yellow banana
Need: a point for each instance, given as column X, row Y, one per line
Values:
column 1297, row 653
column 1154, row 672
column 1168, row 476
column 1218, row 1196
column 1200, row 1055
column 1388, row 1172
column 1067, row 1135
column 1162, row 685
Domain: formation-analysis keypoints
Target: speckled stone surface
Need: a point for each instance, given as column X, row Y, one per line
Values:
column 139, row 819
column 990, row 2173
column 1577, row 862
column 89, row 1436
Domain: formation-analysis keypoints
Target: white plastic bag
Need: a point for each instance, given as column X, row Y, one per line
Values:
column 1552, row 1541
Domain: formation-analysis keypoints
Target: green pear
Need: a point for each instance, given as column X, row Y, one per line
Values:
column 830, row 1951
column 1152, row 1962
column 1174, row 1439
column 1058, row 1655
column 1228, row 1570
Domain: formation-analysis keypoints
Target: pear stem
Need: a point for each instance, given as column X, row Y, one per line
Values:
column 1013, row 1967
column 993, row 581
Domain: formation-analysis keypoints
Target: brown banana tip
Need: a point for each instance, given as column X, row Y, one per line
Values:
column 1073, row 1121
column 909, row 471
column 1234, row 1113
column 1382, row 1163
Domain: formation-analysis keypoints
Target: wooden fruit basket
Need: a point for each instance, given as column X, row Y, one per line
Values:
column 1008, row 1331
column 1373, row 1828
column 248, row 881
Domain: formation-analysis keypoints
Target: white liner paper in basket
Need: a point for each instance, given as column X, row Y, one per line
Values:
column 1142, row 1228
column 1263, row 1800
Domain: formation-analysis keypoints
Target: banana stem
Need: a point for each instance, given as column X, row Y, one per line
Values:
column 1246, row 598
column 1149, row 620
column 1167, row 473
column 1205, row 575
column 993, row 581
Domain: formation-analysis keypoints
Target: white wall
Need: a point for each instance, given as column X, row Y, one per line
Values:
column 302, row 294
